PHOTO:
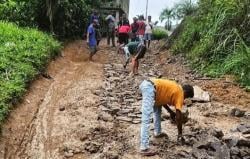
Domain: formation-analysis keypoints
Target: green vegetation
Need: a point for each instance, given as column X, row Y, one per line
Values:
column 24, row 54
column 179, row 11
column 216, row 38
column 167, row 14
column 65, row 19
column 159, row 33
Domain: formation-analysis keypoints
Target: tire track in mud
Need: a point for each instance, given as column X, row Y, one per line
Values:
column 43, row 123
column 46, row 131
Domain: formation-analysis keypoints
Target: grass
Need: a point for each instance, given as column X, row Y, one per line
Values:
column 216, row 39
column 24, row 54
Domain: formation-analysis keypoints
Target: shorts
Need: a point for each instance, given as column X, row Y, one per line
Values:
column 123, row 38
column 140, row 37
column 148, row 36
column 92, row 49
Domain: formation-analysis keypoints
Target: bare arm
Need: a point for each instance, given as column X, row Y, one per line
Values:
column 87, row 37
column 107, row 17
column 179, row 126
column 172, row 113
column 168, row 109
column 179, row 121
column 126, row 63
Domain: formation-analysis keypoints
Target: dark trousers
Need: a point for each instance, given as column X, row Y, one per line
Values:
column 111, row 36
column 98, row 36
column 123, row 38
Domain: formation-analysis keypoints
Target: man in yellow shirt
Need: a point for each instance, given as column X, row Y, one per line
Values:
column 155, row 94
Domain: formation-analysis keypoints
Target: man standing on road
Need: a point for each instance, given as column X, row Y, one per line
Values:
column 123, row 21
column 123, row 34
column 134, row 29
column 111, row 29
column 141, row 28
column 148, row 32
column 91, row 39
column 95, row 17
column 155, row 94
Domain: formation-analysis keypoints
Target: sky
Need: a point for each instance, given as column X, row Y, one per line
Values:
column 138, row 7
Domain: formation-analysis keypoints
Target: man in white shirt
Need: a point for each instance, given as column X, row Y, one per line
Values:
column 148, row 31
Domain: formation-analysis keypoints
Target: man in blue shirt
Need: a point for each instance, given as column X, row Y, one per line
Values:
column 91, row 39
column 95, row 16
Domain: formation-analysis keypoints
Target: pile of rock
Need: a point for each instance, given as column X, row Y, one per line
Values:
column 240, row 113
column 211, row 143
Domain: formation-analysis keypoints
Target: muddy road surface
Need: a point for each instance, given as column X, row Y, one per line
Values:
column 92, row 110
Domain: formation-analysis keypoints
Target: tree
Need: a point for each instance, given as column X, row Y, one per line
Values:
column 51, row 6
column 182, row 9
column 63, row 18
column 167, row 14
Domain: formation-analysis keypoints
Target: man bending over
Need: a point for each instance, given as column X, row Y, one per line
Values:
column 135, row 49
column 155, row 94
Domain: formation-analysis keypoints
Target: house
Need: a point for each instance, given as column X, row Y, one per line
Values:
column 117, row 6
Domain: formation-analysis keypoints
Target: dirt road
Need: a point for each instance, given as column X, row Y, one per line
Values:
column 92, row 109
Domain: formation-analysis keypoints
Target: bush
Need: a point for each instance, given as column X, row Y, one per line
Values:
column 24, row 54
column 159, row 33
column 216, row 38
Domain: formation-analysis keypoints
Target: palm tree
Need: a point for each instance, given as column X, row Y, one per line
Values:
column 184, row 8
column 167, row 14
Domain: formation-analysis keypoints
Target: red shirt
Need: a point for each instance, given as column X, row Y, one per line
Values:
column 141, row 29
column 124, row 29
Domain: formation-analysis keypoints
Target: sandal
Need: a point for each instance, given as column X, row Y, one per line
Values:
column 148, row 152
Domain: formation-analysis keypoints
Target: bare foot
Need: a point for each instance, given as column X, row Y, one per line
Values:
column 131, row 74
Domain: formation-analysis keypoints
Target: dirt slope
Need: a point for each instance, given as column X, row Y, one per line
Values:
column 92, row 109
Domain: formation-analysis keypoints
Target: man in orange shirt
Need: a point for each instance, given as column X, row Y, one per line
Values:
column 155, row 94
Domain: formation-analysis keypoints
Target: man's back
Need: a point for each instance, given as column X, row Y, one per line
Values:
column 141, row 29
column 134, row 27
column 168, row 92
column 124, row 29
column 132, row 47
